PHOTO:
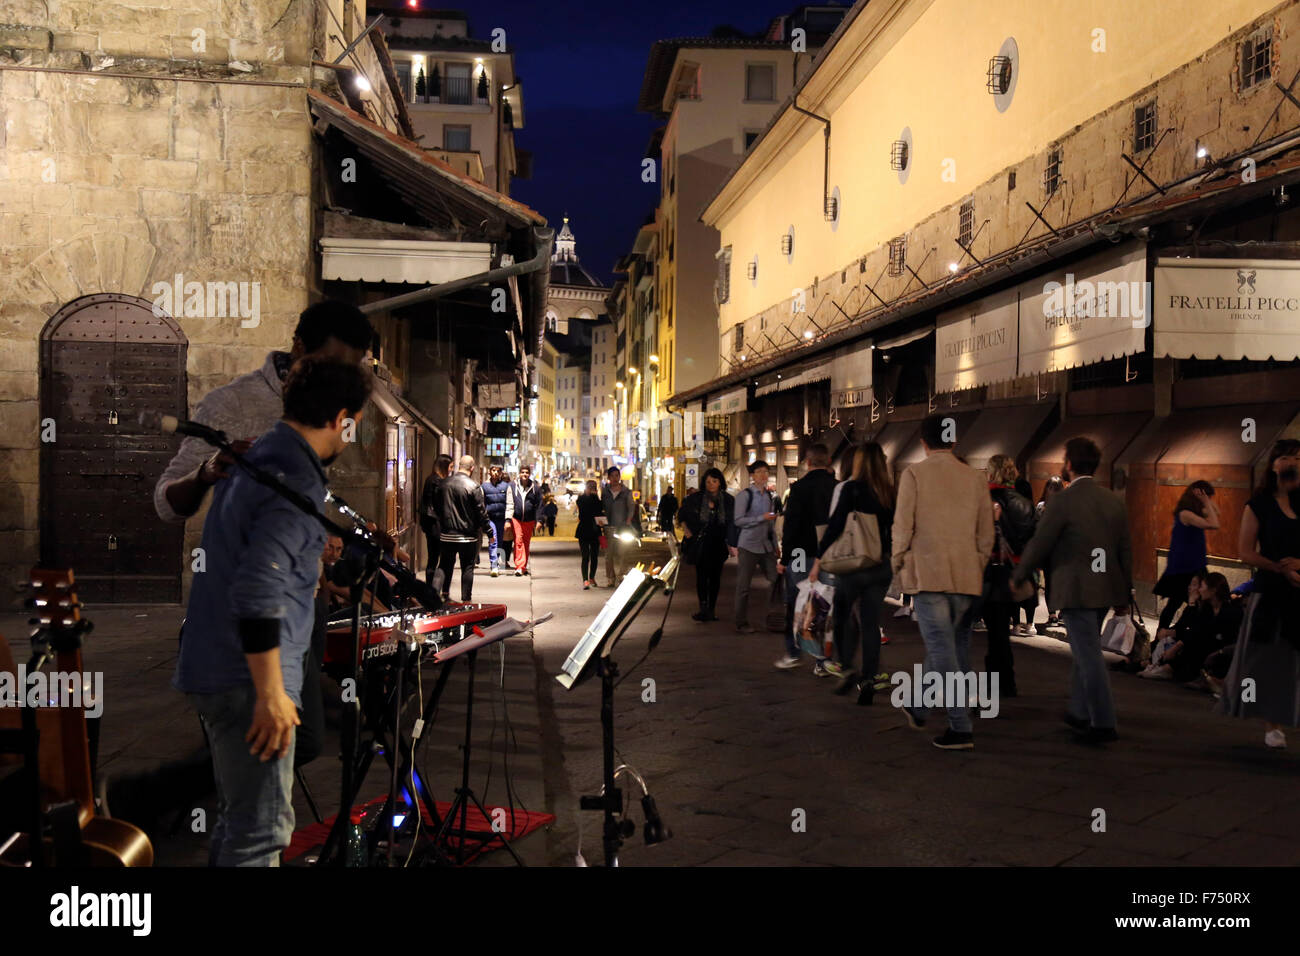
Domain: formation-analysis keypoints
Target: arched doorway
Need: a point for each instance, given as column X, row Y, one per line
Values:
column 105, row 359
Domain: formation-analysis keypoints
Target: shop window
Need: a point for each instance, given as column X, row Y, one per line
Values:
column 1256, row 59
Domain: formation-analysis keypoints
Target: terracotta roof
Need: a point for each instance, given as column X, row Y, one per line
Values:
column 415, row 173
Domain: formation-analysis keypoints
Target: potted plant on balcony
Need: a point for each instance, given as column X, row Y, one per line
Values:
column 422, row 86
column 482, row 85
column 435, row 85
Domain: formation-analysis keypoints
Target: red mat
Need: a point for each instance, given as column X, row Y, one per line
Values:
column 519, row 824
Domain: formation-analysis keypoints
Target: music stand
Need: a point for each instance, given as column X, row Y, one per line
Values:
column 595, row 645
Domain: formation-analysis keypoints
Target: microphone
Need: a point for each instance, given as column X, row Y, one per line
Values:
column 171, row 425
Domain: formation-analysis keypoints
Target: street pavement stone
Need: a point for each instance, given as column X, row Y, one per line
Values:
column 732, row 748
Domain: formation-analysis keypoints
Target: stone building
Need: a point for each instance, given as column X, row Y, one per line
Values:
column 168, row 175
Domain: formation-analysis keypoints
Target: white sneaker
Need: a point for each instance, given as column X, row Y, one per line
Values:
column 1158, row 672
column 1275, row 739
column 518, row 573
column 787, row 663
column 495, row 572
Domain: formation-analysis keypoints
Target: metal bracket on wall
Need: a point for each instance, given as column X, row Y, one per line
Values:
column 1039, row 392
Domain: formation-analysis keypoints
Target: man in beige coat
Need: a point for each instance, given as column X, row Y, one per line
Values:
column 943, row 536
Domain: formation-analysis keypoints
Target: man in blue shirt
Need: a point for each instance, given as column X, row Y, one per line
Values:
column 249, row 619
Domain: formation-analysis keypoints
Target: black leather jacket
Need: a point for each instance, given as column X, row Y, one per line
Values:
column 1018, row 517
column 462, row 514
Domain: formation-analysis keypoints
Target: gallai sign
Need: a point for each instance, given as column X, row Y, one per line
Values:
column 1227, row 308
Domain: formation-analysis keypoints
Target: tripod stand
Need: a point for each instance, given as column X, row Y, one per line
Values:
column 465, row 795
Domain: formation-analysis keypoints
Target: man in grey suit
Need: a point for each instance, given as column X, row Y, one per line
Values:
column 1083, row 540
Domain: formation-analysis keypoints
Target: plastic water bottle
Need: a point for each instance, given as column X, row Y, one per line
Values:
column 356, row 852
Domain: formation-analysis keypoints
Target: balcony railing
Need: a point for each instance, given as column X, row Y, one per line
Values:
column 457, row 90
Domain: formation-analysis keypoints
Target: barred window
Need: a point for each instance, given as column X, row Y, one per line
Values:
column 1144, row 127
column 1256, row 59
column 1052, row 174
column 897, row 255
column 966, row 223
column 738, row 338
column 724, row 275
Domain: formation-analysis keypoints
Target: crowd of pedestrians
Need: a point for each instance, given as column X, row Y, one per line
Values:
column 968, row 550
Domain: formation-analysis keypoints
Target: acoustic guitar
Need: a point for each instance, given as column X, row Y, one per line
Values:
column 62, row 743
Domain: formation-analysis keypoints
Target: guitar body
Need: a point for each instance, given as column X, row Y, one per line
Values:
column 63, row 763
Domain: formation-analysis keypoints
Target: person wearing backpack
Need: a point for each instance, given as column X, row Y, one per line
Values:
column 860, row 595
column 1013, row 526
column 753, row 539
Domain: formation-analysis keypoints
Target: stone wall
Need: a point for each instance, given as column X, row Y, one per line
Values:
column 199, row 163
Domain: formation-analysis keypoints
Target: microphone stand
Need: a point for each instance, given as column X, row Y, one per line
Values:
column 371, row 550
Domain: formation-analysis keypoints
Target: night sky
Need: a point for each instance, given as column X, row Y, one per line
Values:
column 582, row 62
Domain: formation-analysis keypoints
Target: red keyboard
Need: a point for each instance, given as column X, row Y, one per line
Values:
column 452, row 623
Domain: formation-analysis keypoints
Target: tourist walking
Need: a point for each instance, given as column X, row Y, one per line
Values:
column 860, row 595
column 942, row 536
column 523, row 508
column 1083, row 540
column 753, row 543
column 1013, row 523
column 1264, row 679
column 496, row 489
column 806, row 508
column 667, row 511
column 706, row 517
column 462, row 518
column 429, row 514
column 623, row 512
column 588, row 532
column 1194, row 514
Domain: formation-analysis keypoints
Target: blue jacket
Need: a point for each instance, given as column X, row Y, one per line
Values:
column 494, row 496
column 261, row 559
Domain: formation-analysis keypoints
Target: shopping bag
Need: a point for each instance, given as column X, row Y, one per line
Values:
column 775, row 620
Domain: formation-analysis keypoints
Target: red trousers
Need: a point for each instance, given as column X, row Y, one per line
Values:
column 523, row 542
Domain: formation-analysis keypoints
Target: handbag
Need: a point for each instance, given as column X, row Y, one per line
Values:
column 604, row 542
column 857, row 548
column 690, row 549
column 508, row 533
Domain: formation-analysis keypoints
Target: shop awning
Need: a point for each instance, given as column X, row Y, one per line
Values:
column 795, row 379
column 396, row 408
column 725, row 403
column 976, row 344
column 402, row 260
column 1112, row 433
column 1211, row 436
column 1227, row 308
column 850, row 375
column 1086, row 312
column 1004, row 430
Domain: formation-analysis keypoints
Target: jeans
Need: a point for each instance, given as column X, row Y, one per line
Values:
column 467, row 552
column 748, row 560
column 590, row 557
column 1090, row 695
column 945, row 628
column 310, row 738
column 859, row 597
column 792, row 581
column 497, row 544
column 254, row 799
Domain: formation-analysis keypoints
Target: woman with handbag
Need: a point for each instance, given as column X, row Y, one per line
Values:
column 1013, row 526
column 588, row 533
column 707, row 516
column 867, row 496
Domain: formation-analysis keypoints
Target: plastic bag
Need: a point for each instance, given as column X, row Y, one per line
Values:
column 813, row 618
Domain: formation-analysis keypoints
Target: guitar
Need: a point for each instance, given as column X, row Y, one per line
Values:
column 62, row 743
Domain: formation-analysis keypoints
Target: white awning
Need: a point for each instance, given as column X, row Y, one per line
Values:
column 425, row 262
column 851, row 376
column 788, row 380
column 727, row 402
column 1227, row 308
column 907, row 338
column 976, row 344
column 1091, row 311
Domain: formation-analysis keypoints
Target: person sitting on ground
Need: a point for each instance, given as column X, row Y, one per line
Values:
column 1214, row 634
column 1173, row 639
